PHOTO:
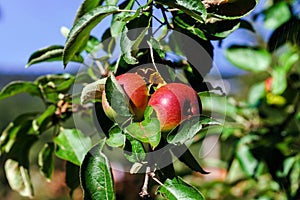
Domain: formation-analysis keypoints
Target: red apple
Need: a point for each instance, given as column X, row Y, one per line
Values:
column 136, row 90
column 268, row 84
column 173, row 103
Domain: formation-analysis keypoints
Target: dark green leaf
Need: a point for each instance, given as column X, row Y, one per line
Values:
column 276, row 15
column 134, row 150
column 56, row 82
column 249, row 58
column 85, row 7
column 189, row 128
column 96, row 178
column 41, row 123
column 80, row 32
column 185, row 155
column 46, row 160
column 117, row 99
column 72, row 145
column 194, row 8
column 17, row 87
column 72, row 176
column 116, row 137
column 48, row 54
column 93, row 91
column 281, row 36
column 230, row 10
column 92, row 43
column 16, row 130
column 177, row 189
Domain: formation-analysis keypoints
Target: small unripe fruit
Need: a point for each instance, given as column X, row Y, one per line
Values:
column 173, row 103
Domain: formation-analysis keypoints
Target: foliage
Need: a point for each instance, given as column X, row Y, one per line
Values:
column 262, row 125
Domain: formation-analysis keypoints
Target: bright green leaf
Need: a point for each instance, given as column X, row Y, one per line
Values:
column 134, row 150
column 249, row 58
column 177, row 189
column 96, row 178
column 279, row 80
column 116, row 137
column 72, row 145
column 194, row 8
column 246, row 160
column 17, row 87
column 147, row 131
column 85, row 7
column 80, row 32
column 49, row 54
column 46, row 160
column 276, row 15
column 256, row 93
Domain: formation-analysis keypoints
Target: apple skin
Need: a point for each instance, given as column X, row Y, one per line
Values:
column 136, row 91
column 173, row 103
column 268, row 84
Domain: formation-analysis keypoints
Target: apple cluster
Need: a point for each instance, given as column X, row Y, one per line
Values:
column 172, row 102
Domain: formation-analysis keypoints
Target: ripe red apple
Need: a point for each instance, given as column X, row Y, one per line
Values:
column 268, row 84
column 173, row 103
column 136, row 91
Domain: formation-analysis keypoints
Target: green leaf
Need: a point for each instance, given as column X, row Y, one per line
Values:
column 49, row 54
column 92, row 91
column 177, row 189
column 17, row 87
column 246, row 159
column 16, row 130
column 134, row 150
column 194, row 8
column 249, row 58
column 147, row 131
column 256, row 93
column 85, row 7
column 72, row 145
column 117, row 99
column 46, row 160
column 117, row 24
column 18, row 178
column 185, row 155
column 116, row 137
column 41, row 123
column 230, row 10
column 132, row 36
column 17, row 165
column 80, row 32
column 96, row 178
column 276, row 15
column 279, row 80
column 72, row 176
column 187, row 129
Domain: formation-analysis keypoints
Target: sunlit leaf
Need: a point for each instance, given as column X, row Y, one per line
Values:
column 194, row 8
column 116, row 137
column 92, row 91
column 177, row 189
column 46, row 160
column 95, row 174
column 49, row 54
column 134, row 150
column 80, row 32
column 85, row 7
column 17, row 87
column 276, row 15
column 72, row 145
column 249, row 58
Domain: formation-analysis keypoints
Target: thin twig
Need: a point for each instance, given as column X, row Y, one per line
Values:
column 144, row 191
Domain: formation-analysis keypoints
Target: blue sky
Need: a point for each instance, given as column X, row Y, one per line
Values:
column 29, row 25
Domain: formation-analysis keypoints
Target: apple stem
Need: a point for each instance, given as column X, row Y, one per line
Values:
column 144, row 191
